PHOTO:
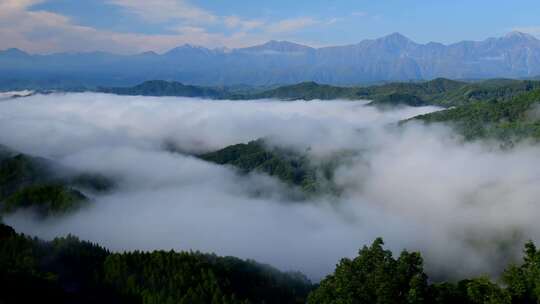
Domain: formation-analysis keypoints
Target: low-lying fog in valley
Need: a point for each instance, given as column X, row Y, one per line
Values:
column 466, row 206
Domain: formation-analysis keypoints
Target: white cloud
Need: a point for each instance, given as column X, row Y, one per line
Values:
column 291, row 25
column 47, row 32
column 333, row 21
column 237, row 22
column 165, row 10
column 186, row 203
column 419, row 187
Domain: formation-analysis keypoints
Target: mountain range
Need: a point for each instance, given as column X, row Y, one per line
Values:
column 390, row 58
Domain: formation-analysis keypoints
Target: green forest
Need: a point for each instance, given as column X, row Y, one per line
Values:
column 440, row 92
column 505, row 120
column 291, row 167
column 31, row 182
column 68, row 270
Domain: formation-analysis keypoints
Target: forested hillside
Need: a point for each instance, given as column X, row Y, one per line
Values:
column 28, row 182
column 67, row 270
column 291, row 167
column 165, row 88
column 440, row 92
column 375, row 276
column 506, row 120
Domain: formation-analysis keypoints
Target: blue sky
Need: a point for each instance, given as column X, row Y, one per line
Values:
column 131, row 26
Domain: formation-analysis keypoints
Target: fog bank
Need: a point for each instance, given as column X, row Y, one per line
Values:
column 467, row 206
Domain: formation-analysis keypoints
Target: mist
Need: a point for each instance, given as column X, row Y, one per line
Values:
column 467, row 206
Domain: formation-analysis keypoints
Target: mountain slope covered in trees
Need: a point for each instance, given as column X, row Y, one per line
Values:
column 67, row 270
column 291, row 167
column 439, row 92
column 28, row 182
column 165, row 88
column 506, row 120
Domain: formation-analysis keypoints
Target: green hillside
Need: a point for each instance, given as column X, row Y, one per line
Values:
column 289, row 166
column 508, row 120
column 440, row 92
column 431, row 92
column 306, row 91
column 489, row 90
column 45, row 199
column 415, row 94
column 32, row 182
column 165, row 88
column 448, row 93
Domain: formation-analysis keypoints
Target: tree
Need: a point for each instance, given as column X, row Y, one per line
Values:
column 524, row 281
column 375, row 277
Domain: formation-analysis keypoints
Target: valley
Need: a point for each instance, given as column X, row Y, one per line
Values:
column 269, row 152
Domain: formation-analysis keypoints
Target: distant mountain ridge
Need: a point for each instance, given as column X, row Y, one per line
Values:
column 390, row 58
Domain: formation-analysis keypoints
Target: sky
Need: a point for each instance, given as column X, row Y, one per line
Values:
column 133, row 26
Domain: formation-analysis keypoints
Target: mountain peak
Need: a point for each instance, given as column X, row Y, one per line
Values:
column 149, row 53
column 516, row 35
column 395, row 41
column 279, row 47
column 282, row 44
column 14, row 52
column 279, row 42
column 190, row 46
column 187, row 48
column 396, row 37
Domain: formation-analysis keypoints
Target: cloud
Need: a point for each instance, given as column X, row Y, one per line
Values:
column 8, row 6
column 333, row 21
column 467, row 206
column 47, row 32
column 291, row 25
column 184, row 202
column 237, row 22
column 166, row 10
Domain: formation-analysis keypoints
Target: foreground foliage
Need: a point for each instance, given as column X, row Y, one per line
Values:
column 376, row 277
column 67, row 270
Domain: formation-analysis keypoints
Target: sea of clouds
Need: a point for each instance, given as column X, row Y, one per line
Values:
column 468, row 207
